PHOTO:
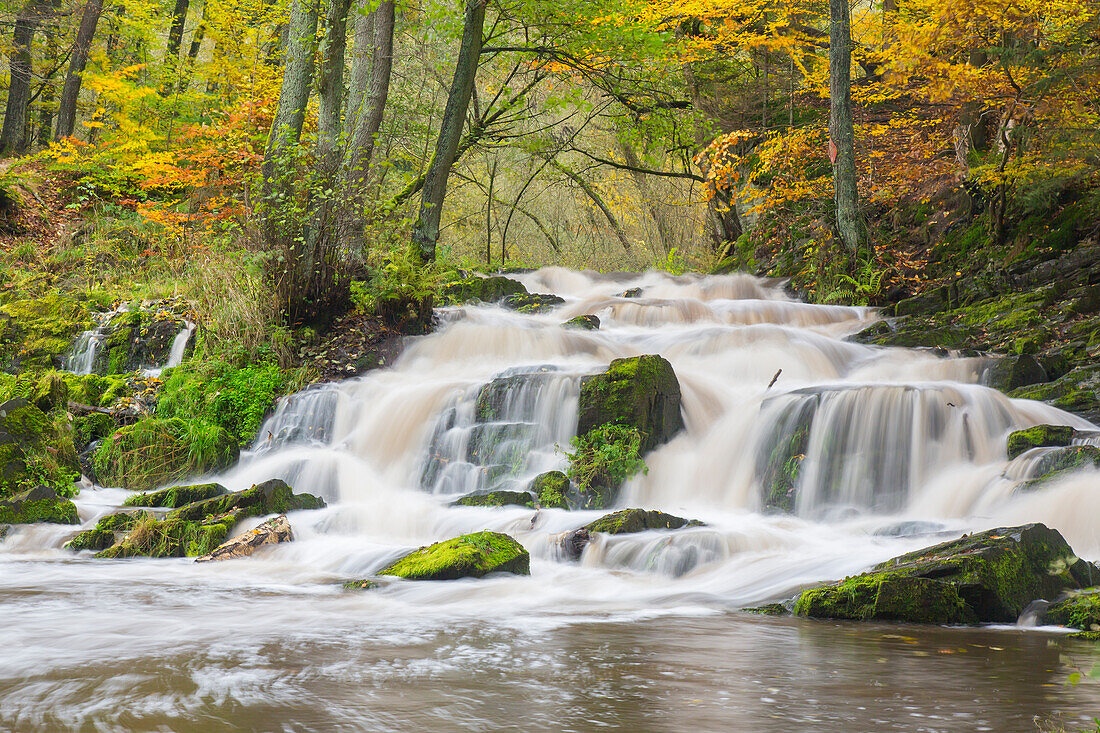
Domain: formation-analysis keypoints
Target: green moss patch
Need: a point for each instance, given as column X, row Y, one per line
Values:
column 177, row 496
column 269, row 497
column 469, row 556
column 627, row 521
column 1039, row 436
column 639, row 392
column 602, row 459
column 583, row 323
column 40, row 504
column 497, row 498
column 172, row 537
column 484, row 289
column 551, row 489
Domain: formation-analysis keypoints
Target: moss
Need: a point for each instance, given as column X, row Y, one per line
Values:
column 1080, row 610
column 497, row 498
column 96, row 426
column 172, row 537
column 483, row 289
column 1062, row 461
column 39, row 504
column 769, row 609
column 602, row 459
column 1037, row 437
column 91, row 539
column 41, row 329
column 531, row 302
column 583, row 323
column 469, row 556
column 1076, row 391
column 886, row 597
column 177, row 496
column 36, row 449
column 551, row 489
column 121, row 521
column 627, row 521
column 154, row 451
column 362, row 584
column 270, row 497
column 641, row 392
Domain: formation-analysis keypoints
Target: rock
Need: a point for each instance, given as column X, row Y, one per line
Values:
column 408, row 315
column 1011, row 372
column 628, row 521
column 769, row 609
column 1078, row 391
column 170, row 537
column 484, row 289
column 583, row 323
column 362, row 584
column 1079, row 610
column 631, row 293
column 271, row 532
column 177, row 496
column 1056, row 463
column 1039, row 436
column 50, row 393
column 139, row 336
column 91, row 539
column 531, row 302
column 270, row 497
column 551, row 489
column 40, row 504
column 989, row 576
column 640, row 392
column 572, row 544
column 469, row 556
column 5, row 529
column 120, row 521
column 497, row 498
column 36, row 449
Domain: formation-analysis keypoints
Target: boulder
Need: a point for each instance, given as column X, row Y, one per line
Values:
column 1011, row 372
column 361, row 584
column 1039, row 436
column 583, row 323
column 1057, row 462
column 640, row 392
column 177, row 496
column 35, row 449
column 1077, row 391
column 171, row 537
column 572, row 544
column 271, row 532
column 628, row 521
column 988, row 576
column 531, row 302
column 270, row 497
column 551, row 489
column 631, row 293
column 1078, row 609
column 40, row 504
column 483, row 289
column 497, row 498
column 469, row 556
column 91, row 539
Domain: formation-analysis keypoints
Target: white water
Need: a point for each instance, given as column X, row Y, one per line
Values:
column 175, row 353
column 902, row 448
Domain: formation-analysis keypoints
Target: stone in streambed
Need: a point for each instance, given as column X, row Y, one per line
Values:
column 628, row 521
column 361, row 584
column 92, row 539
column 1058, row 462
column 531, row 302
column 583, row 323
column 481, row 289
column 1038, row 436
column 1078, row 610
column 40, row 504
column 270, row 497
column 551, row 489
column 497, row 498
column 640, row 392
column 989, row 576
column 273, row 531
column 177, row 496
column 469, row 556
column 1011, row 372
column 151, row 537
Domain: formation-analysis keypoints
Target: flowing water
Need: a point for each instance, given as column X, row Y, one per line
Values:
column 897, row 449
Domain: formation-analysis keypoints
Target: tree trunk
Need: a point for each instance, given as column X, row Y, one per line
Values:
column 286, row 128
column 330, row 82
column 175, row 32
column 426, row 232
column 842, row 134
column 14, row 138
column 70, row 92
column 371, row 106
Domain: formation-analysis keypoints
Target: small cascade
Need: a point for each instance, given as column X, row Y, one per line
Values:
column 304, row 417
column 502, row 434
column 175, row 353
column 82, row 357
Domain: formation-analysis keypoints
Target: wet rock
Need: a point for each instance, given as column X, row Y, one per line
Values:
column 4, row 530
column 1057, row 463
column 583, row 323
column 140, row 335
column 120, row 521
column 631, row 293
column 497, row 498
column 50, row 393
column 1011, row 372
column 551, row 489
column 910, row 529
column 270, row 497
column 177, row 496
column 1078, row 610
column 1078, row 391
column 172, row 537
column 531, row 302
column 91, row 539
column 273, row 531
column 572, row 544
column 361, row 584
column 40, row 504
column 628, row 521
column 769, row 609
column 989, row 576
column 511, row 393
column 35, row 449
column 469, row 556
column 1039, row 436
column 640, row 392
column 484, row 289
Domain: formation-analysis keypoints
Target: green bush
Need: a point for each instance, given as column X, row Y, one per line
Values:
column 233, row 398
column 603, row 458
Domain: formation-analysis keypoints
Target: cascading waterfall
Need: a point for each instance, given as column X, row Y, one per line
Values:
column 806, row 456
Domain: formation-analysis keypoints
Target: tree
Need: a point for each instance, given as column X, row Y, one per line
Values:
column 70, row 92
column 15, row 136
column 426, row 231
column 841, row 131
column 369, row 93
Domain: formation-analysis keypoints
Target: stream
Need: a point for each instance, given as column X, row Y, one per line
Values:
column 901, row 449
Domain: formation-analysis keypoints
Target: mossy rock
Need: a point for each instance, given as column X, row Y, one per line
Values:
column 51, row 393
column 172, row 537
column 270, row 497
column 121, row 521
column 495, row 397
column 40, row 504
column 1077, row 391
column 989, row 576
column 139, row 337
column 1079, row 610
column 1039, row 436
column 1061, row 461
column 628, row 521
column 469, row 556
column 1012, row 372
column 91, row 539
column 177, row 496
column 769, row 609
column 497, row 498
column 531, row 302
column 36, row 449
column 583, row 323
column 361, row 585
column 156, row 451
column 93, row 427
column 640, row 392
column 551, row 489
column 481, row 289
column 36, row 332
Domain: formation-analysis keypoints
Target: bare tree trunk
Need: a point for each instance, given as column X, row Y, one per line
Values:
column 841, row 131
column 370, row 109
column 286, row 128
column 14, row 137
column 426, row 232
column 631, row 158
column 175, row 32
column 330, row 82
column 70, row 92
